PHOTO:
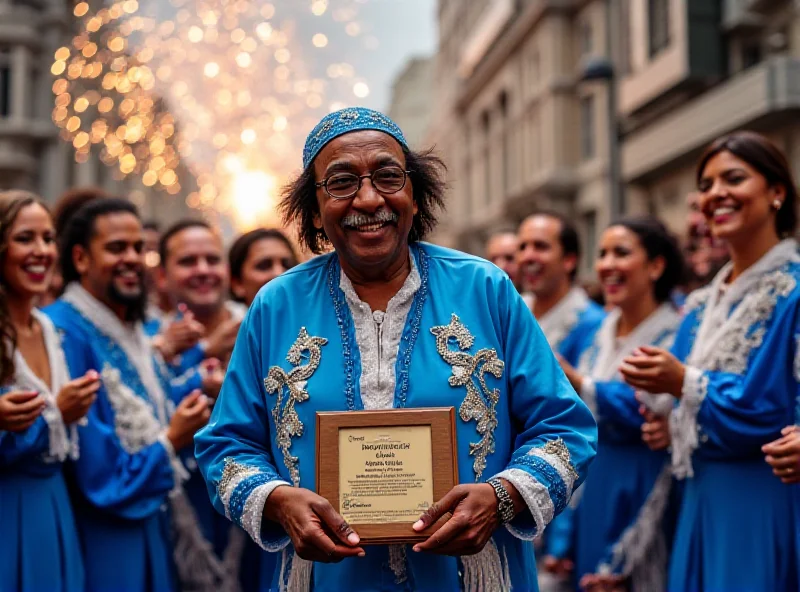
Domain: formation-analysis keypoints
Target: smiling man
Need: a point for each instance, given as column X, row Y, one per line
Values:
column 387, row 321
column 128, row 471
column 548, row 257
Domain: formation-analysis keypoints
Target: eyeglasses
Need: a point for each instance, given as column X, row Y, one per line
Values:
column 387, row 180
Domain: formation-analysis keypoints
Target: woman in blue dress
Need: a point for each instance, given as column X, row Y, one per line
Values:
column 639, row 264
column 734, row 372
column 39, row 405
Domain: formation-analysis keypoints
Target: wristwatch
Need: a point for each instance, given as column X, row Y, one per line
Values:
column 505, row 505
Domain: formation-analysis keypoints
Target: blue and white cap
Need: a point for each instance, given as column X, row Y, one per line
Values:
column 348, row 120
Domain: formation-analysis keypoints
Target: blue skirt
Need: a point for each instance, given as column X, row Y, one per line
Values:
column 738, row 531
column 39, row 548
column 619, row 482
column 126, row 555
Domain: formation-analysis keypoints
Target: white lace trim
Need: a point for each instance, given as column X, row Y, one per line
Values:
column 723, row 340
column 253, row 514
column 134, row 422
column 379, row 355
column 63, row 440
column 602, row 360
column 132, row 340
column 537, row 498
column 683, row 422
column 560, row 320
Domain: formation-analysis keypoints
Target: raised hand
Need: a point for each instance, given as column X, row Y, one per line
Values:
column 191, row 415
column 654, row 370
column 317, row 531
column 76, row 397
column 179, row 335
column 19, row 409
column 213, row 375
column 220, row 343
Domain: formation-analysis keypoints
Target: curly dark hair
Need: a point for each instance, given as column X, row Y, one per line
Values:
column 299, row 199
column 11, row 203
column 658, row 242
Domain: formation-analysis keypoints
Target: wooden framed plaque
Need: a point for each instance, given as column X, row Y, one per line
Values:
column 382, row 469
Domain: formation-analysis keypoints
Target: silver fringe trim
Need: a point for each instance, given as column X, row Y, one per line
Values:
column 199, row 569
column 486, row 571
column 397, row 563
column 683, row 422
column 642, row 551
column 299, row 577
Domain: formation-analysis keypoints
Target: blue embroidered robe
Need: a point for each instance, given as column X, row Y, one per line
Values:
column 39, row 546
column 126, row 469
column 467, row 323
column 625, row 471
column 571, row 325
column 739, row 526
column 248, row 559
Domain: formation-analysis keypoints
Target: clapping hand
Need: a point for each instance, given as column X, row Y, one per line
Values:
column 76, row 397
column 655, row 429
column 213, row 375
column 19, row 409
column 179, row 335
column 783, row 455
column 654, row 370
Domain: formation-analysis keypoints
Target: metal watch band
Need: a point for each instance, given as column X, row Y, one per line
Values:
column 505, row 505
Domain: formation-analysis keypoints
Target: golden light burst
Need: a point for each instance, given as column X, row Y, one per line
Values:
column 195, row 85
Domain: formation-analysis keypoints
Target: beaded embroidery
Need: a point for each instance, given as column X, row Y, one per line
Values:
column 556, row 448
column 480, row 402
column 287, row 422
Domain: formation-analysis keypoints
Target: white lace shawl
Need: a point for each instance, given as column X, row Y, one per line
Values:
column 722, row 341
column 612, row 351
column 63, row 440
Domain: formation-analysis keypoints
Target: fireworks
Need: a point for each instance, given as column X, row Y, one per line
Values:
column 226, row 88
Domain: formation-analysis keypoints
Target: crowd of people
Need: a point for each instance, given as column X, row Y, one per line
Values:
column 653, row 426
column 691, row 372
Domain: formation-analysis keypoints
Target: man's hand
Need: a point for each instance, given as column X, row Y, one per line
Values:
column 474, row 519
column 77, row 396
column 191, row 415
column 220, row 343
column 317, row 531
column 179, row 335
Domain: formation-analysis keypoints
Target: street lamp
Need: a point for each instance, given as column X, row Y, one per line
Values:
column 601, row 69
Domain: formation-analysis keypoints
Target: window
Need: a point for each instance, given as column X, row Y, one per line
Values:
column 658, row 25
column 751, row 54
column 587, row 128
column 586, row 36
column 5, row 83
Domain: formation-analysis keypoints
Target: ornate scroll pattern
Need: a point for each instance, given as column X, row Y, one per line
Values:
column 287, row 422
column 480, row 402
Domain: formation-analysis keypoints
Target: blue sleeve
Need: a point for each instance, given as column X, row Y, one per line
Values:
column 181, row 386
column 23, row 446
column 559, row 538
column 232, row 451
column 616, row 401
column 730, row 415
column 130, row 481
column 192, row 357
column 557, row 435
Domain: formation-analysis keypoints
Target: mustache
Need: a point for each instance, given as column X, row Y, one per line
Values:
column 354, row 220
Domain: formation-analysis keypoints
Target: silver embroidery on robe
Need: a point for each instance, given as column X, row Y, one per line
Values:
column 287, row 422
column 480, row 402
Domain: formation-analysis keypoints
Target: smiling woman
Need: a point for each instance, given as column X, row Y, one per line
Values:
column 38, row 404
column 387, row 321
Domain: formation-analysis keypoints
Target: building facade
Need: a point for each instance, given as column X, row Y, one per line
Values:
column 411, row 100
column 32, row 156
column 521, row 128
